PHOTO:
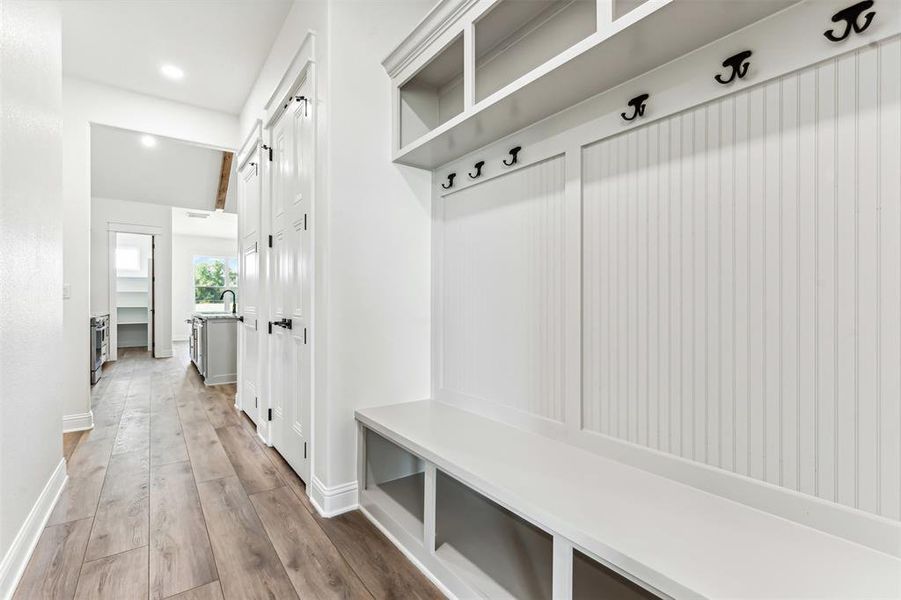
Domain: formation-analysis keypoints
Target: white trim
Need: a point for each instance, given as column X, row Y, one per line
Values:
column 410, row 556
column 134, row 228
column 333, row 501
column 438, row 20
column 13, row 564
column 78, row 422
column 165, row 352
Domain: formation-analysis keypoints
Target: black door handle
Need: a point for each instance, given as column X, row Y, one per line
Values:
column 286, row 323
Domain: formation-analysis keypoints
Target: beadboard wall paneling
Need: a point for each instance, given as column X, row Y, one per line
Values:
column 501, row 285
column 742, row 282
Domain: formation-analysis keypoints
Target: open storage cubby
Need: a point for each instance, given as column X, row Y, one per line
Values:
column 496, row 552
column 593, row 580
column 395, row 482
column 624, row 7
column 514, row 37
column 433, row 95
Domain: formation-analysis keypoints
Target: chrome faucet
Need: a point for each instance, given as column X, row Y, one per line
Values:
column 234, row 300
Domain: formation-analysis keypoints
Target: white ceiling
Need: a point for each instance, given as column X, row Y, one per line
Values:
column 172, row 173
column 217, row 225
column 221, row 46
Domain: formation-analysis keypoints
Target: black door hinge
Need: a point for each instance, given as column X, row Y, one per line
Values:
column 269, row 148
column 304, row 221
column 305, row 450
column 270, row 241
column 304, row 335
column 270, row 327
column 269, row 414
column 256, row 402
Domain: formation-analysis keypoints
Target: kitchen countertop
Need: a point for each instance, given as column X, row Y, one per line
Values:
column 216, row 316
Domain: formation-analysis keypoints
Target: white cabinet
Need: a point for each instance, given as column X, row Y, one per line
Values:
column 214, row 348
column 474, row 71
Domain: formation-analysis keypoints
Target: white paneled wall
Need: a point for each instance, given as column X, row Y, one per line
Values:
column 742, row 282
column 502, row 266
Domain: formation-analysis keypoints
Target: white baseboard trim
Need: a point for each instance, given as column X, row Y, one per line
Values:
column 164, row 353
column 333, row 501
column 78, row 422
column 13, row 564
column 416, row 562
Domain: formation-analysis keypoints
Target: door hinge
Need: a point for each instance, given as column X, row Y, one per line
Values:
column 256, row 402
column 304, row 450
column 269, row 148
column 304, row 335
column 269, row 414
column 270, row 241
column 270, row 327
column 304, row 221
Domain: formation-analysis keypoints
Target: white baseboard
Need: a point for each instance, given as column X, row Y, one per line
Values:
column 164, row 353
column 13, row 564
column 333, row 501
column 78, row 422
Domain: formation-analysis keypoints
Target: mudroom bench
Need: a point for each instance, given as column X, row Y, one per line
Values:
column 489, row 510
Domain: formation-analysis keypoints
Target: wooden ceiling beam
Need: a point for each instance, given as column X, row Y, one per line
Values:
column 224, row 175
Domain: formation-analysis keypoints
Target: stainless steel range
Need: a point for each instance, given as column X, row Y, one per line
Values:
column 99, row 346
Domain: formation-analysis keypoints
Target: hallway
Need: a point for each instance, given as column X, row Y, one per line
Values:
column 173, row 495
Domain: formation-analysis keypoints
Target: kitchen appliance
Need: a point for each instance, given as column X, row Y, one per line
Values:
column 99, row 346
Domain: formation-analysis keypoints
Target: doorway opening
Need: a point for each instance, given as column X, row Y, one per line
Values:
column 132, row 289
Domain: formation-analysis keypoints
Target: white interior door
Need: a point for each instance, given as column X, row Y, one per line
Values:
column 249, row 283
column 290, row 268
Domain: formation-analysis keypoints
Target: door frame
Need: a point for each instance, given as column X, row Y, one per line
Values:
column 302, row 70
column 155, row 234
column 250, row 147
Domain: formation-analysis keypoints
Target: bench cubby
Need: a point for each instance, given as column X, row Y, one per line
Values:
column 394, row 483
column 593, row 580
column 496, row 552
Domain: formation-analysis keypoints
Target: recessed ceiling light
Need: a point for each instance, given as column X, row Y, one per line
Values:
column 148, row 141
column 172, row 72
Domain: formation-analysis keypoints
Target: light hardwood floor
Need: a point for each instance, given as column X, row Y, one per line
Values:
column 172, row 495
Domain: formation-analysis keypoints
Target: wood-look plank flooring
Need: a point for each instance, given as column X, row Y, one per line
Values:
column 173, row 495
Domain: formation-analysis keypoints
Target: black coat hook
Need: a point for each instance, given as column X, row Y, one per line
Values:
column 513, row 153
column 850, row 16
column 638, row 105
column 739, row 64
column 450, row 181
column 478, row 167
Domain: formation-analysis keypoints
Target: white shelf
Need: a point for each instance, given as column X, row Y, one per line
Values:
column 121, row 323
column 649, row 35
column 672, row 537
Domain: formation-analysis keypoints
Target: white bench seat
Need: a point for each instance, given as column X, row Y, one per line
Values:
column 681, row 541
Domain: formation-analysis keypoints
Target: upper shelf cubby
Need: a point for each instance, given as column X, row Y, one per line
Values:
column 434, row 94
column 514, row 37
column 474, row 71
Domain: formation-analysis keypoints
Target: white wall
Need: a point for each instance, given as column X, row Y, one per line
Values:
column 379, row 239
column 105, row 211
column 87, row 103
column 371, row 329
column 31, row 269
column 184, row 249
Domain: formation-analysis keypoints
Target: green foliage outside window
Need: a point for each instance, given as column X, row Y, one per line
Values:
column 212, row 276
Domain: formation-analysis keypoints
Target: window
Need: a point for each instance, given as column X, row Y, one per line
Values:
column 212, row 276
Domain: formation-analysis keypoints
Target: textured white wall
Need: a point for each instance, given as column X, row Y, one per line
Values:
column 87, row 103
column 31, row 258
